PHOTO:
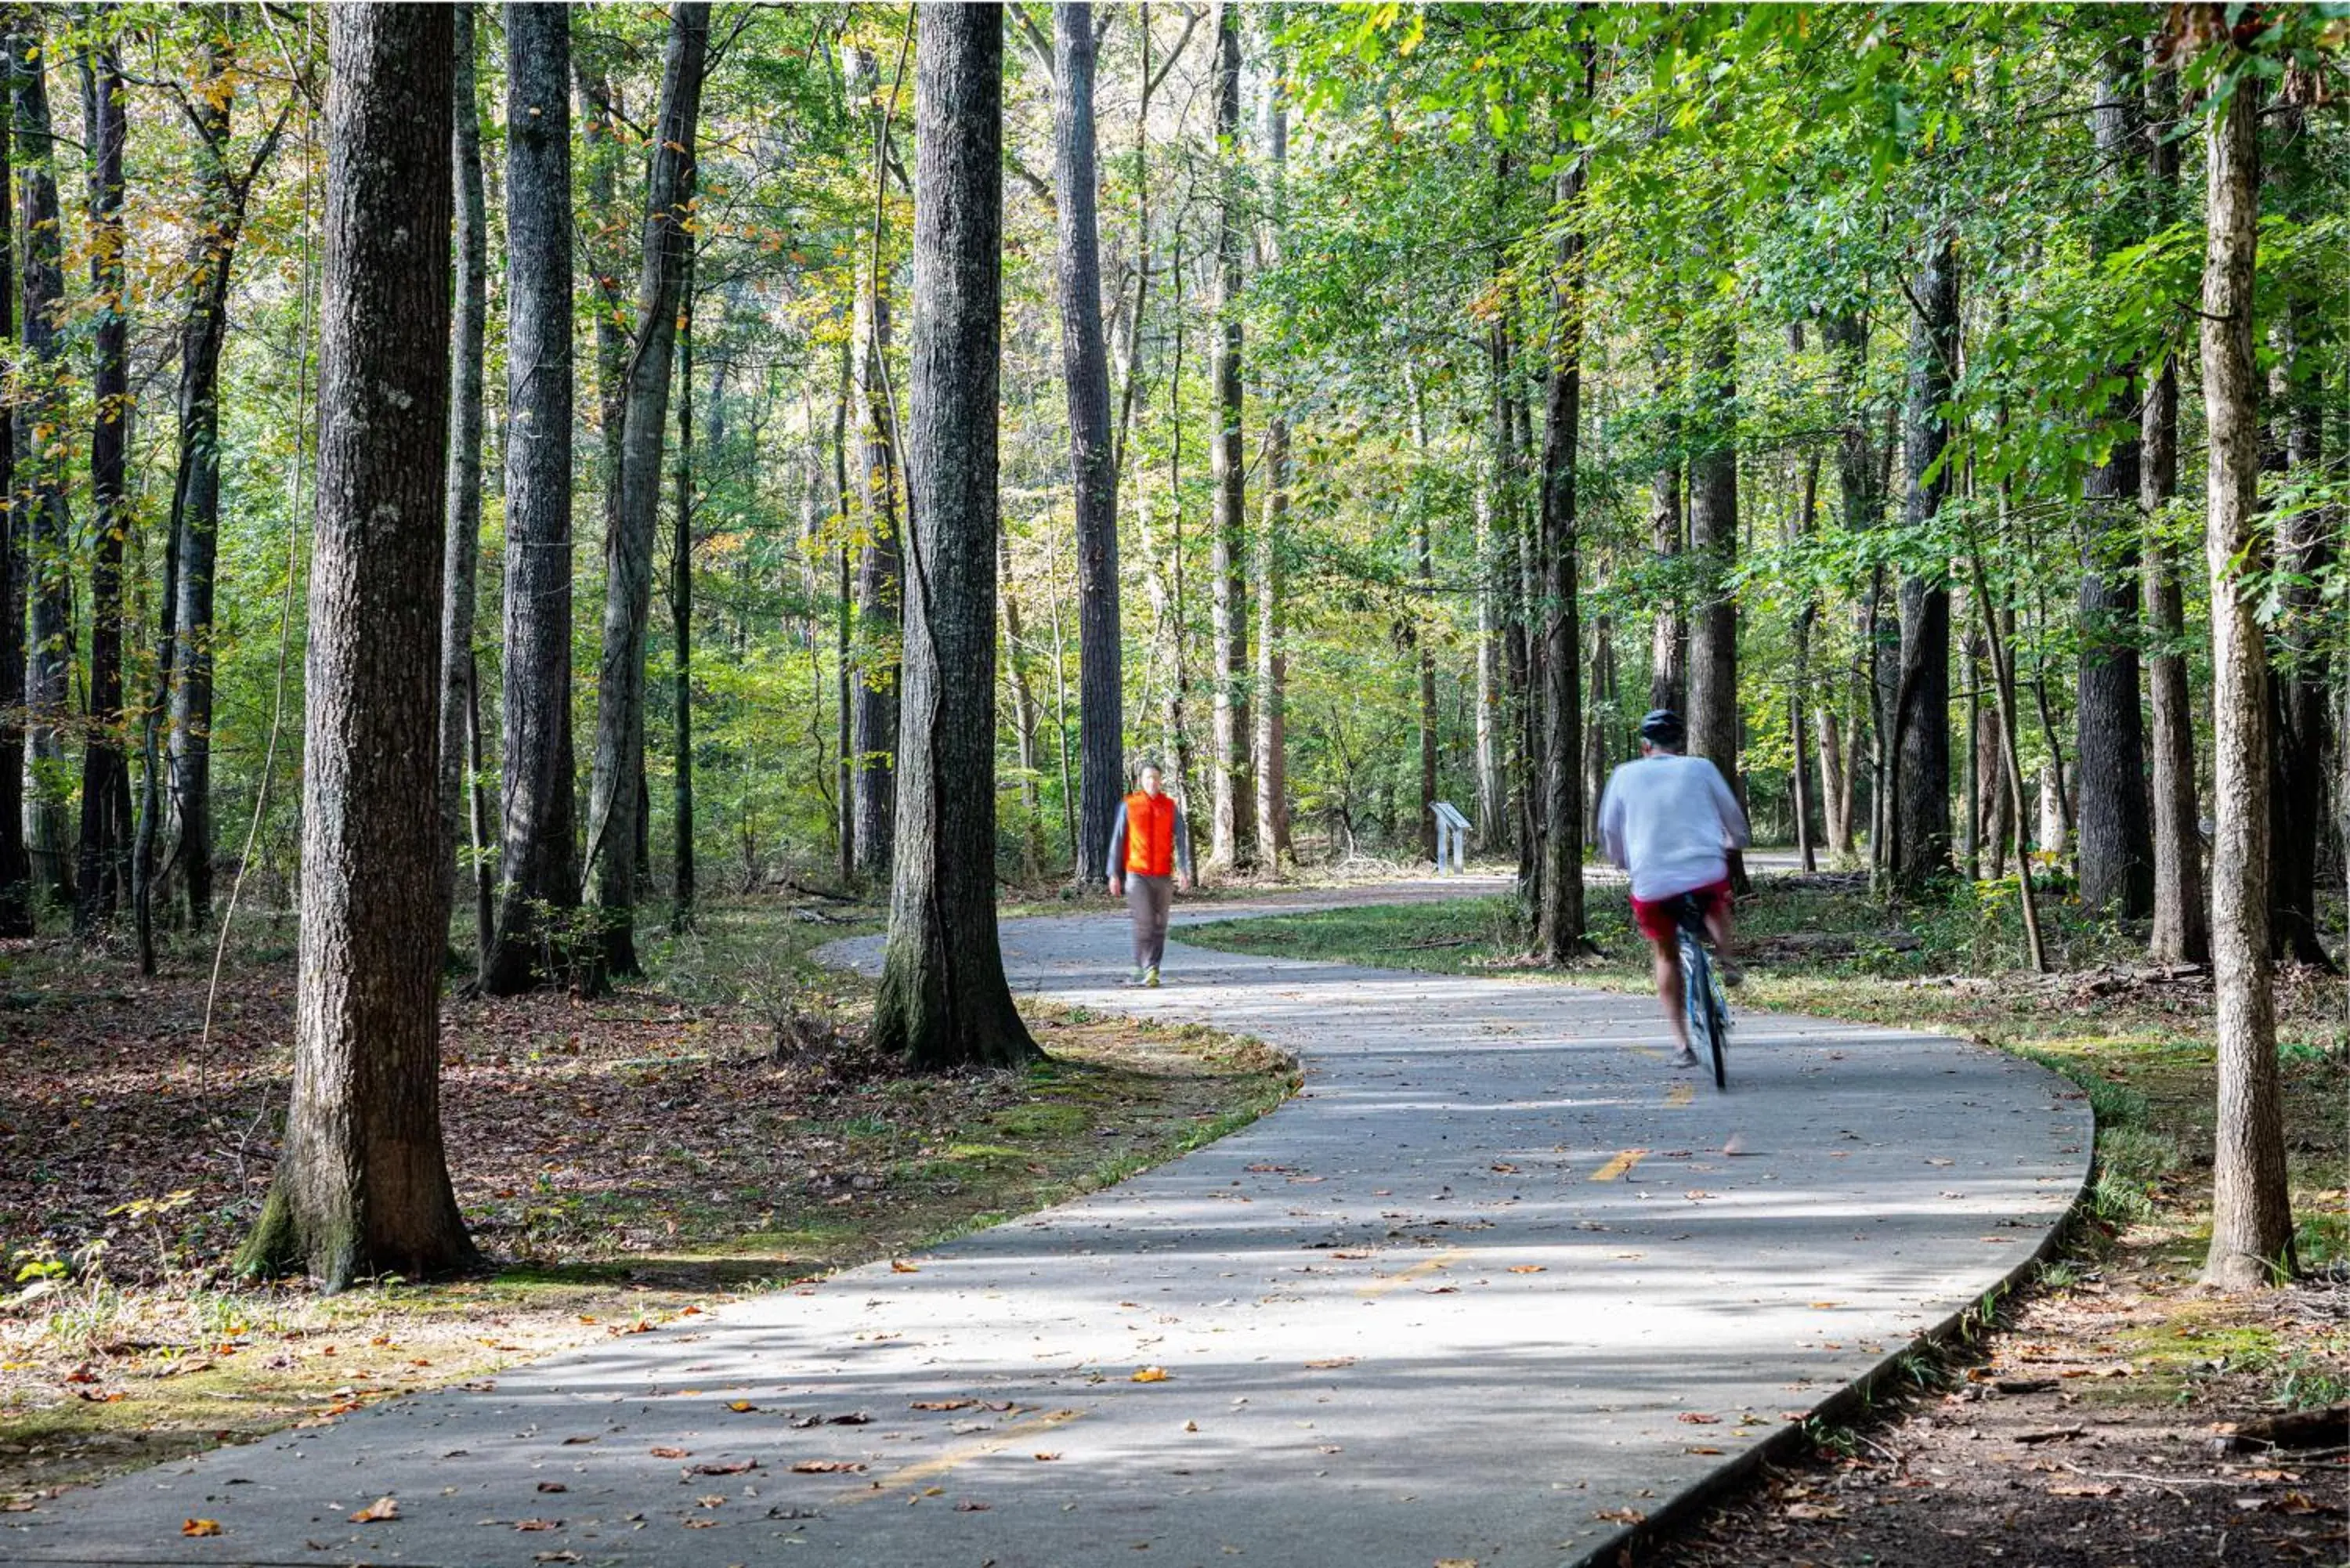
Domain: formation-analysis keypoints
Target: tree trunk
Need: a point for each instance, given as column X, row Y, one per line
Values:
column 1920, row 815
column 2303, row 548
column 1026, row 712
column 680, row 621
column 1420, row 621
column 2252, row 1223
column 1712, row 712
column 615, row 818
column 101, row 865
column 1800, row 696
column 943, row 1000
column 1232, row 832
column 15, row 866
column 1271, row 753
column 195, row 495
column 362, row 1186
column 880, row 569
column 538, row 865
column 1559, row 928
column 844, row 635
column 1835, row 790
column 462, row 550
column 1994, row 813
column 1093, row 467
column 48, row 532
column 2182, row 909
column 1669, row 632
column 2115, row 859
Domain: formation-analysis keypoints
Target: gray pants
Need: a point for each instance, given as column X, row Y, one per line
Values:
column 1149, row 898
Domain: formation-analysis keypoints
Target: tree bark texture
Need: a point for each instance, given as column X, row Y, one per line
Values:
column 362, row 1186
column 1093, row 461
column 2115, row 855
column 1921, row 806
column 48, row 532
column 943, row 1000
column 462, row 544
column 1232, row 828
column 1559, row 928
column 102, row 867
column 617, row 793
column 2251, row 1225
column 539, row 857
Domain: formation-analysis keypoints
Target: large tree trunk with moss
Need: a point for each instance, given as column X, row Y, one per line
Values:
column 461, row 545
column 362, row 1186
column 1558, row 928
column 616, row 794
column 538, row 856
column 102, row 867
column 943, row 1000
column 1093, row 464
column 1920, row 814
column 47, row 530
column 2251, row 1221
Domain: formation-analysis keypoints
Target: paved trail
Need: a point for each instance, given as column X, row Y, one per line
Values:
column 1487, row 1290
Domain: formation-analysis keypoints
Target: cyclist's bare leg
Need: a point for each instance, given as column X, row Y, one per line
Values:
column 1717, row 926
column 1668, row 992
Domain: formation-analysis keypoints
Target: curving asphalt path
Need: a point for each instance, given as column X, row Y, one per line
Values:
column 1488, row 1291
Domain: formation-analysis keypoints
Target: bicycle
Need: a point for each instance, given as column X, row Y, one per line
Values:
column 1709, row 1009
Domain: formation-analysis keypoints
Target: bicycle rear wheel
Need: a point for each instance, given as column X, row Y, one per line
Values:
column 1702, row 1000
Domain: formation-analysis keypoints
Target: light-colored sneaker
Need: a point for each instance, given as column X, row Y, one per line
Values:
column 1133, row 979
column 1687, row 1058
column 1150, row 978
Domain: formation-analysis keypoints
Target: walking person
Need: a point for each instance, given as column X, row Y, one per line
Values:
column 1149, row 857
column 1670, row 820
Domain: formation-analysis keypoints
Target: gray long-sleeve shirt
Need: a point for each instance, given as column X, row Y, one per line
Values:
column 1116, row 861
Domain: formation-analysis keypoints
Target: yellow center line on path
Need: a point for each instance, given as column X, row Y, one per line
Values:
column 1420, row 1271
column 914, row 1474
column 1680, row 1094
column 1619, row 1165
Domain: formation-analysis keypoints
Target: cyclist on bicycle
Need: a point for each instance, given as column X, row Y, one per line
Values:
column 1670, row 821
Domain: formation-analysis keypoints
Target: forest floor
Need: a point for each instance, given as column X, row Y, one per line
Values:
column 621, row 1162
column 2108, row 1415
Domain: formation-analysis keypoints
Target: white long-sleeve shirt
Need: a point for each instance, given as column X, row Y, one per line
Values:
column 1668, row 820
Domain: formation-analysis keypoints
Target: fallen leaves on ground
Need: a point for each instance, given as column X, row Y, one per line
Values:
column 1149, row 1374
column 201, row 1527
column 378, row 1512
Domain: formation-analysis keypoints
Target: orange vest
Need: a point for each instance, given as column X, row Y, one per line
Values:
column 1150, row 834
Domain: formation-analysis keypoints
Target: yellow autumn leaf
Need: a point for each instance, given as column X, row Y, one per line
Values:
column 1150, row 1375
column 201, row 1527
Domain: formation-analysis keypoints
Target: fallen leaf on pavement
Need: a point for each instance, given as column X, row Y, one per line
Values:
column 666, row 1453
column 900, row 1266
column 538, row 1524
column 1149, row 1374
column 1697, row 1418
column 201, row 1527
column 1621, row 1516
column 943, row 1405
column 719, row 1467
column 827, row 1466
column 1527, row 1269
column 1330, row 1364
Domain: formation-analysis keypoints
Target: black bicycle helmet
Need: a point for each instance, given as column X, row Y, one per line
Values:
column 1663, row 727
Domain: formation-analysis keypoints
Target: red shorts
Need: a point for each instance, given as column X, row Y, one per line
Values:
column 1658, row 919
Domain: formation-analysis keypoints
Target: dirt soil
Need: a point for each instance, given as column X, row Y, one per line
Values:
column 621, row 1163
